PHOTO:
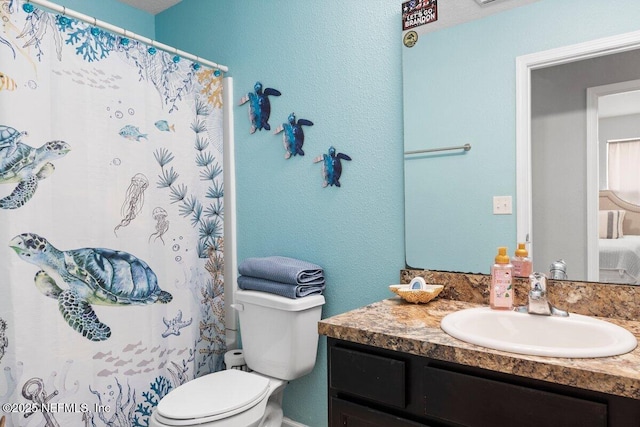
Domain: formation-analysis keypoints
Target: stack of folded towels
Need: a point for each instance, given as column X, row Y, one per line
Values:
column 288, row 277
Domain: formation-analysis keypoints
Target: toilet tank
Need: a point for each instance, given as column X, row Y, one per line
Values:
column 279, row 334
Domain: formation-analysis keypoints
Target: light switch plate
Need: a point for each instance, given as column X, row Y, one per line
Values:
column 502, row 205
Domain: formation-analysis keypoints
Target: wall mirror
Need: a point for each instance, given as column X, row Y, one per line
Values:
column 490, row 95
column 578, row 107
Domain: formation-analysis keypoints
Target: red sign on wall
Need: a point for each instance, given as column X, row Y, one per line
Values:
column 418, row 12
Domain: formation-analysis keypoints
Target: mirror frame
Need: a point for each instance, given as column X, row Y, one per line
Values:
column 525, row 64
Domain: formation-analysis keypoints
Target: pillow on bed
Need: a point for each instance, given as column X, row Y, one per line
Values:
column 610, row 224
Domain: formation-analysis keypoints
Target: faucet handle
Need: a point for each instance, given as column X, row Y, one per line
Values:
column 538, row 303
column 538, row 282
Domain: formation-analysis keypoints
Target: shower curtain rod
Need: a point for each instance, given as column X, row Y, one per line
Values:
column 121, row 31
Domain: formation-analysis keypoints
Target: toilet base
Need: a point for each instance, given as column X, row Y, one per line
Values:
column 273, row 414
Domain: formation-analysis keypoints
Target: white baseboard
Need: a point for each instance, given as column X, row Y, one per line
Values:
column 288, row 422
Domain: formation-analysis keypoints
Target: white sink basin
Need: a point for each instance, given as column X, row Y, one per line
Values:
column 573, row 336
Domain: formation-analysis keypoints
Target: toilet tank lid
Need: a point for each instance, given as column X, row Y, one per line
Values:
column 266, row 299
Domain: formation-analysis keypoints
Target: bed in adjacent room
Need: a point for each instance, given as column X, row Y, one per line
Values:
column 619, row 242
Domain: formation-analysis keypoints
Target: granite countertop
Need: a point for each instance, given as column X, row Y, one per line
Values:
column 394, row 324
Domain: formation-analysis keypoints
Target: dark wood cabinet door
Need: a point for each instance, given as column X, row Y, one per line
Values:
column 467, row 400
column 348, row 414
column 372, row 377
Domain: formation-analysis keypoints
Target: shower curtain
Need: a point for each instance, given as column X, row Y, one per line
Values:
column 111, row 219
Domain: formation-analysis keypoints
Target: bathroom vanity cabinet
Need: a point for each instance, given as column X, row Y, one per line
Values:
column 391, row 364
column 376, row 387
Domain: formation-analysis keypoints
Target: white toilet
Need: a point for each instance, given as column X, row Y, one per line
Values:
column 280, row 343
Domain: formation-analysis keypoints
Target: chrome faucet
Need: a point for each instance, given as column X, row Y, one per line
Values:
column 538, row 302
column 558, row 270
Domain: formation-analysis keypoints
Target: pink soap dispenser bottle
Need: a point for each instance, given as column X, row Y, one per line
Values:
column 501, row 291
column 522, row 266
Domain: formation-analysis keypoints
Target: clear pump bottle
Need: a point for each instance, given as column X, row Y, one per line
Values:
column 522, row 266
column 501, row 291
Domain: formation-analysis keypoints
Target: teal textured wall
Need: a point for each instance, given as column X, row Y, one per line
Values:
column 337, row 64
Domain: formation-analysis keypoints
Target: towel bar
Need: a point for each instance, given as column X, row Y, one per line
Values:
column 465, row 147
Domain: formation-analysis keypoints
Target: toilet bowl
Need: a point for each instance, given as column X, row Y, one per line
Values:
column 280, row 340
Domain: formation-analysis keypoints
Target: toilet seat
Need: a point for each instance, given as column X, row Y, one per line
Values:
column 212, row 397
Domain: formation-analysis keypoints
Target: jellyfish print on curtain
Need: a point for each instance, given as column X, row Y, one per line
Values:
column 111, row 219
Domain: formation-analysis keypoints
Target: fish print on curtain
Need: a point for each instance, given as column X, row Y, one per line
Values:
column 111, row 219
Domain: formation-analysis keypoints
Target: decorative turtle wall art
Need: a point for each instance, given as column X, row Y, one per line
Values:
column 331, row 166
column 91, row 276
column 293, row 136
column 259, row 106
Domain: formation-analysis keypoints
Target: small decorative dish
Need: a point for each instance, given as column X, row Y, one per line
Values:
column 416, row 296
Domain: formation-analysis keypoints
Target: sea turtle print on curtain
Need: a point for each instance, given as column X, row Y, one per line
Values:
column 111, row 220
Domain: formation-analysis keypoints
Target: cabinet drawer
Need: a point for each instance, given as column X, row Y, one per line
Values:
column 479, row 402
column 348, row 414
column 377, row 378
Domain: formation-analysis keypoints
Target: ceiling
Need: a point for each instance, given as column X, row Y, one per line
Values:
column 454, row 12
column 151, row 6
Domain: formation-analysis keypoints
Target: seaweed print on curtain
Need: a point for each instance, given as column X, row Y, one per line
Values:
column 111, row 219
